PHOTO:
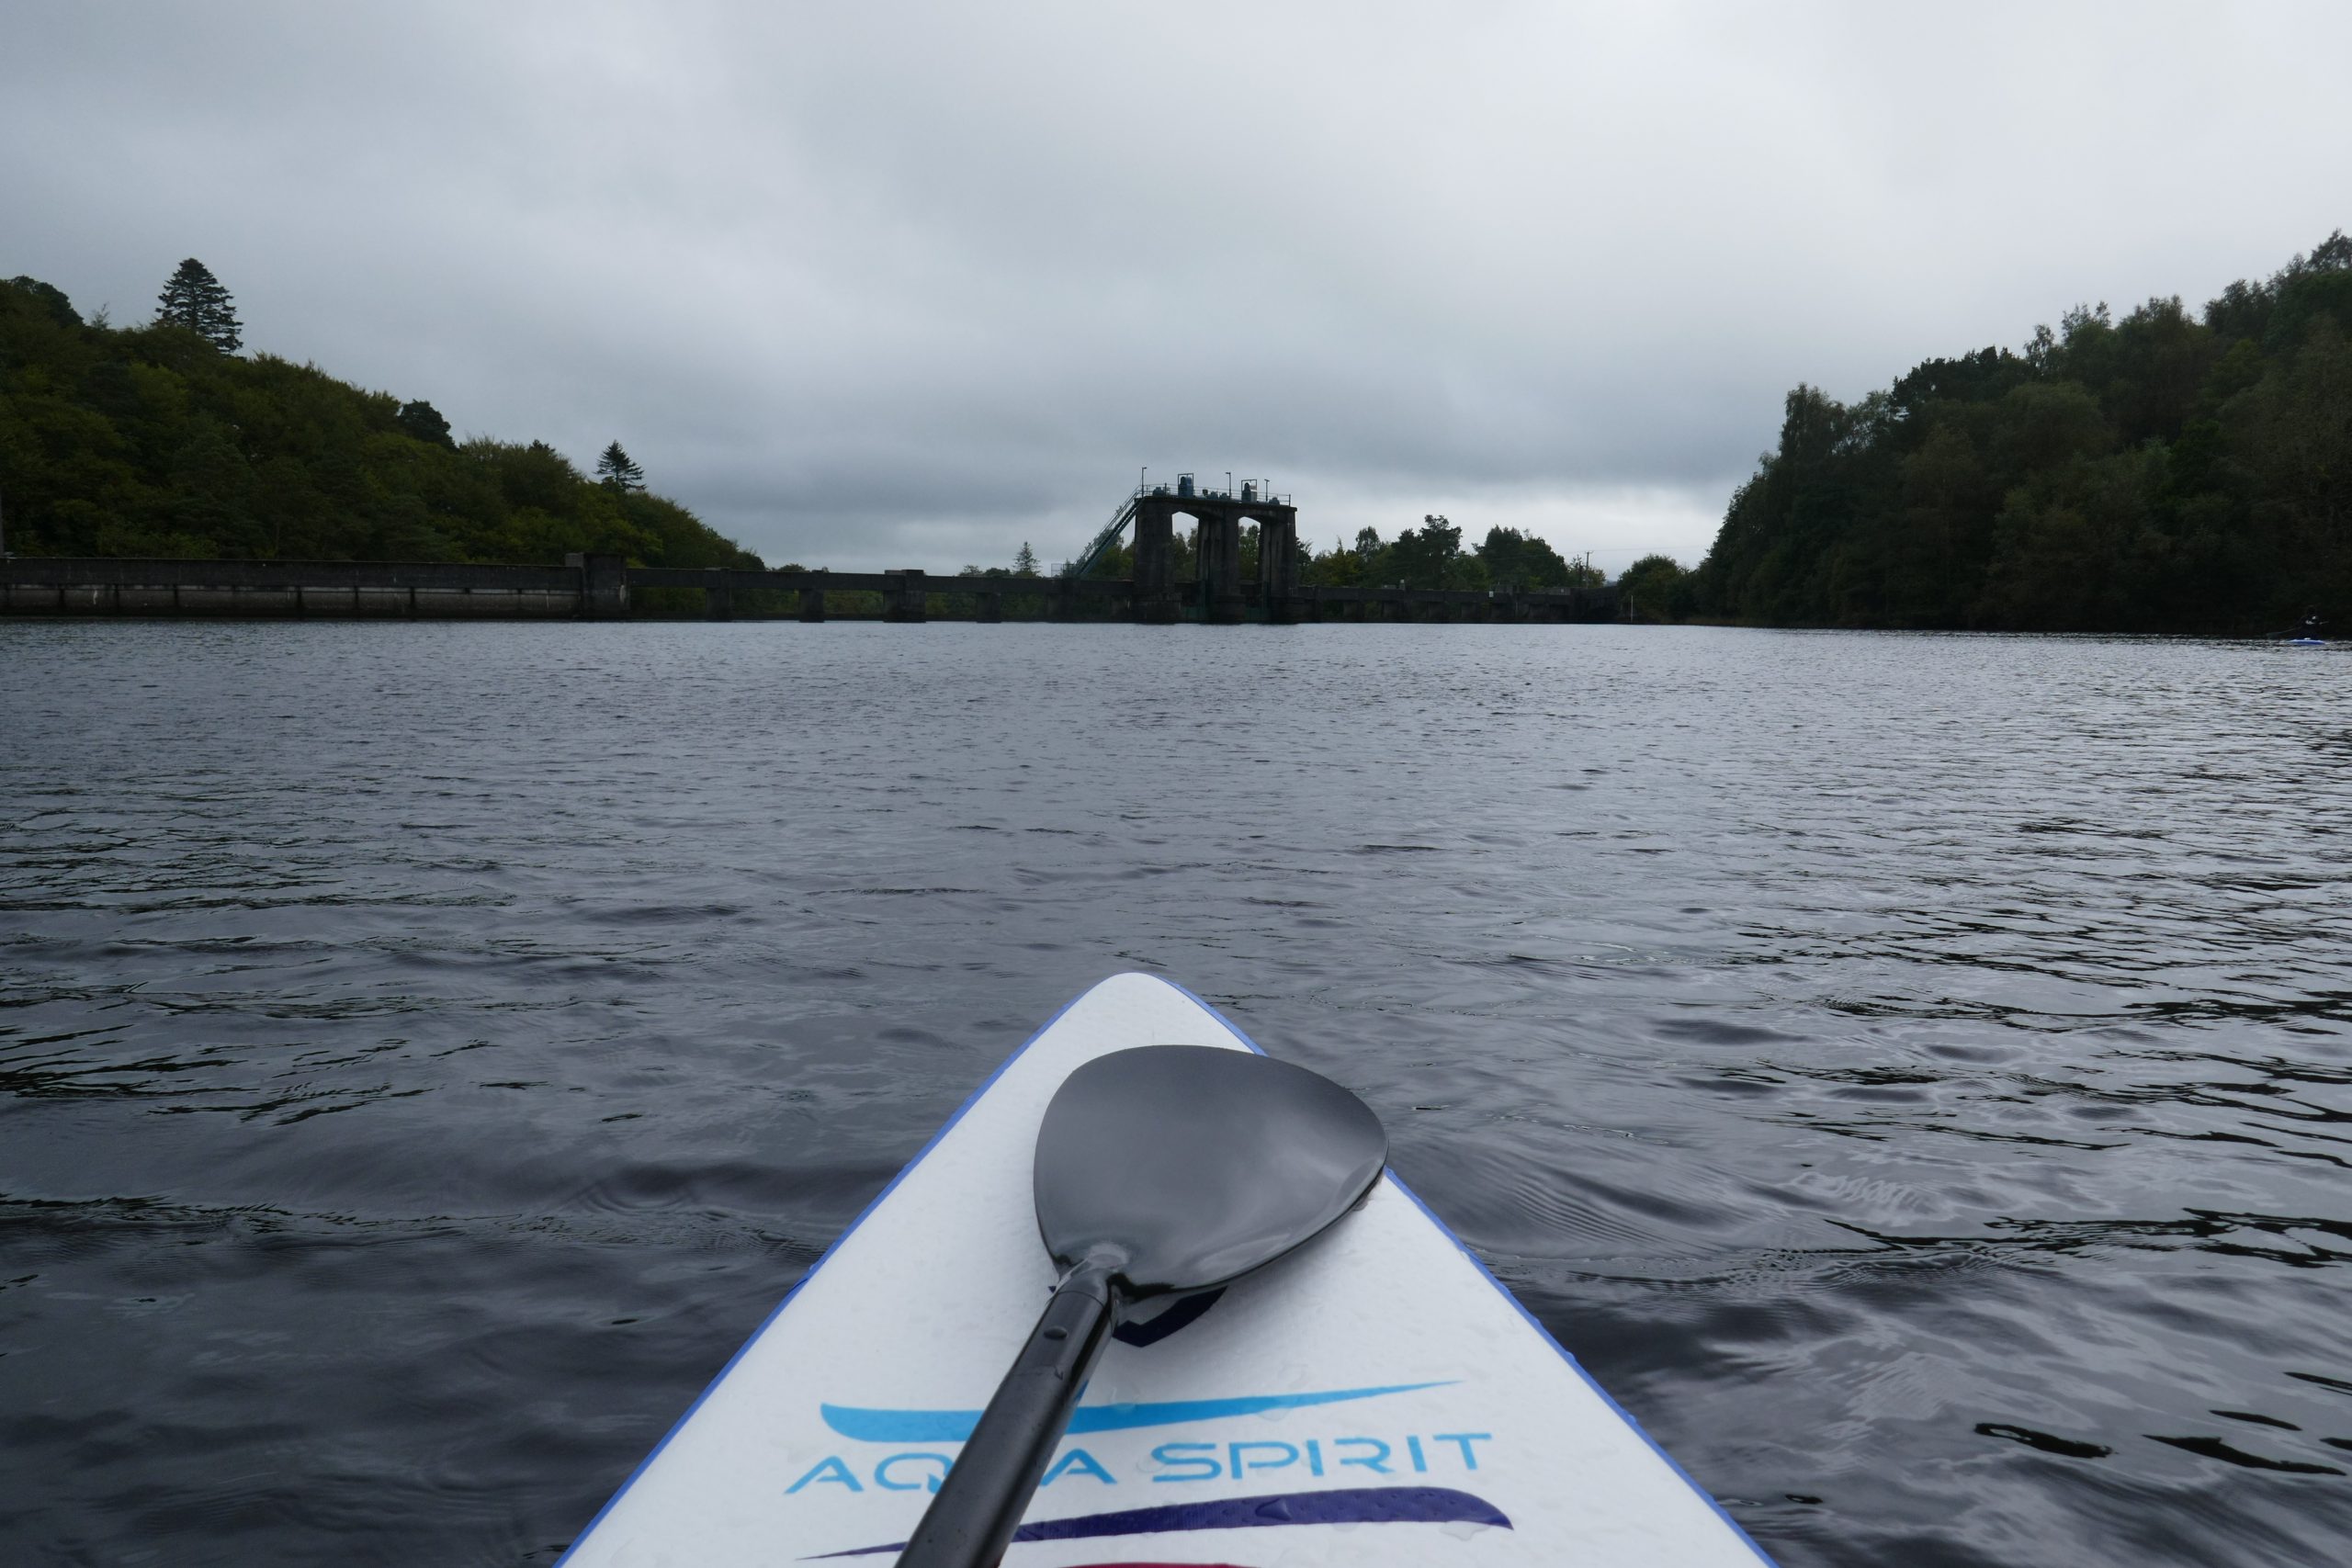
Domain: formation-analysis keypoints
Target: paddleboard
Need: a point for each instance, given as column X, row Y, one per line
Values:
column 1374, row 1399
column 2306, row 642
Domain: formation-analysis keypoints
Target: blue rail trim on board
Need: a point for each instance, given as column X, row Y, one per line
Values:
column 1339, row 1505
column 871, row 1425
column 826, row 1257
column 1533, row 1322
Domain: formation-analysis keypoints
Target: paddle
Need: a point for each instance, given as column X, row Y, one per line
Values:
column 1161, row 1171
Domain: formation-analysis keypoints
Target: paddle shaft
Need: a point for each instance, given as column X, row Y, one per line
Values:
column 980, row 1504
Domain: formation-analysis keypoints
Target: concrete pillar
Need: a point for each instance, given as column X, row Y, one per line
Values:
column 1155, row 592
column 1220, row 557
column 603, row 586
column 718, row 596
column 1278, row 566
column 991, row 606
column 903, row 601
column 812, row 596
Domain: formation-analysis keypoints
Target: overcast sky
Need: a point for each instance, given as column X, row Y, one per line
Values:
column 878, row 284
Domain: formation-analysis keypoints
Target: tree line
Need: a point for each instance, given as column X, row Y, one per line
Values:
column 1433, row 557
column 1429, row 557
column 2161, row 472
column 160, row 440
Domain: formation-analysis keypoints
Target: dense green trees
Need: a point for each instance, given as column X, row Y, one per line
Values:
column 1431, row 557
column 153, row 441
column 2162, row 472
column 423, row 422
column 1655, row 588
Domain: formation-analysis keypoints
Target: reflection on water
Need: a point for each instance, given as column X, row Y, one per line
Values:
column 1910, row 1071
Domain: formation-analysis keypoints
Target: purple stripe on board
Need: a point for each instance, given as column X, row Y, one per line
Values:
column 1345, row 1506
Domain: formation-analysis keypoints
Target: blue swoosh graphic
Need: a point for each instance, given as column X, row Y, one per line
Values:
column 869, row 1426
column 1345, row 1506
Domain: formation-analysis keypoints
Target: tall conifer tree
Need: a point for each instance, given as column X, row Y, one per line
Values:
column 615, row 471
column 194, row 299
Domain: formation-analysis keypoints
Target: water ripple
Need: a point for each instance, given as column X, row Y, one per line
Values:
column 1914, row 1073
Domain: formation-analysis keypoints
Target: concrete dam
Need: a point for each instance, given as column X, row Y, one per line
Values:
column 604, row 587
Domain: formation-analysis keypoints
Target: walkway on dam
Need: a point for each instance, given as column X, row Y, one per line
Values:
column 608, row 588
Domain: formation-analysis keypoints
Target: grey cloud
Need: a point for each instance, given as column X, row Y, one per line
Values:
column 907, row 285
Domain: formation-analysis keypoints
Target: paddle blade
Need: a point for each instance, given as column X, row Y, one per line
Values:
column 1190, row 1165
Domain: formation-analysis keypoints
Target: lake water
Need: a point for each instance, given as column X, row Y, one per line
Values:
column 1909, row 1071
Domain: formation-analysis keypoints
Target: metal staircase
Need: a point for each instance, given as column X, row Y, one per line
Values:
column 1106, row 541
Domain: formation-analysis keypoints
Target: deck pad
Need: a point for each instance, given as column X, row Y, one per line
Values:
column 1374, row 1399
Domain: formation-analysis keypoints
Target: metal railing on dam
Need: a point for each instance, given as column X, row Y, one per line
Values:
column 607, row 588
